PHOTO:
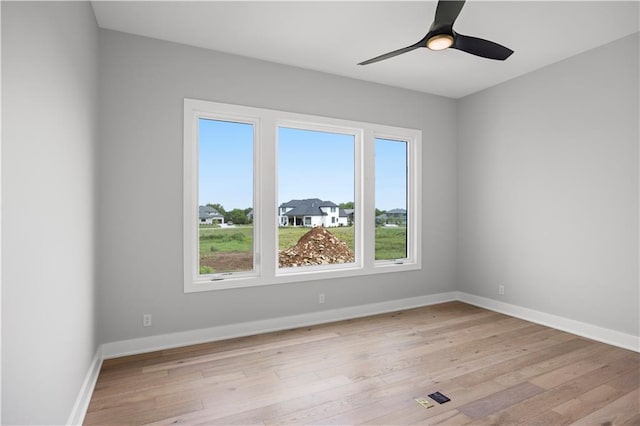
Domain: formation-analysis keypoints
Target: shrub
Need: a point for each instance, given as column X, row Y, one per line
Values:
column 206, row 270
column 238, row 236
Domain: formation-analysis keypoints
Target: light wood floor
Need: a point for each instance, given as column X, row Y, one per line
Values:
column 496, row 370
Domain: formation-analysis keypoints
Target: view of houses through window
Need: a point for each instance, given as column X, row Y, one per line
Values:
column 225, row 185
column 316, row 187
column 391, row 199
column 316, row 192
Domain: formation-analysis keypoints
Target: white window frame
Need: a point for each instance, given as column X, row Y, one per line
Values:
column 266, row 208
column 333, row 126
column 414, row 230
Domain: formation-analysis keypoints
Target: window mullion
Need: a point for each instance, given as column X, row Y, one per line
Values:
column 190, row 188
column 367, row 212
column 414, row 201
column 266, row 198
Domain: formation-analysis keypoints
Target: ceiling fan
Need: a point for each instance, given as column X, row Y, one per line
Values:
column 442, row 36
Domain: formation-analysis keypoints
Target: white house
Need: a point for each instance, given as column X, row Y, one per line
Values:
column 346, row 217
column 310, row 212
column 208, row 216
column 396, row 216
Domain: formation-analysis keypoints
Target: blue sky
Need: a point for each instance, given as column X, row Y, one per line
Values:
column 391, row 174
column 226, row 164
column 315, row 165
column 310, row 165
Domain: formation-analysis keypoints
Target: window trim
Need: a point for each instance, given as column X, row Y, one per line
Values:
column 341, row 128
column 266, row 208
column 414, row 177
column 191, row 198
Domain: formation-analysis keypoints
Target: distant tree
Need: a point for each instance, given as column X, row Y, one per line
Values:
column 246, row 213
column 219, row 209
column 380, row 212
column 347, row 205
column 237, row 216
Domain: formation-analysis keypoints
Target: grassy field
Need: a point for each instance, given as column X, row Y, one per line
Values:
column 390, row 241
column 289, row 236
column 236, row 239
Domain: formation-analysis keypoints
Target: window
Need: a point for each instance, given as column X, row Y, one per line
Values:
column 316, row 172
column 391, row 199
column 225, row 191
column 273, row 197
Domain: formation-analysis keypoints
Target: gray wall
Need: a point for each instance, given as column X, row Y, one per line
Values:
column 142, row 86
column 49, row 88
column 548, row 189
column 545, row 168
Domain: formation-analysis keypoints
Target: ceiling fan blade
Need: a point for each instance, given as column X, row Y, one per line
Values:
column 480, row 47
column 392, row 54
column 447, row 12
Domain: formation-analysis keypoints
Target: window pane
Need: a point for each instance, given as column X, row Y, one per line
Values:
column 315, row 197
column 391, row 199
column 225, row 196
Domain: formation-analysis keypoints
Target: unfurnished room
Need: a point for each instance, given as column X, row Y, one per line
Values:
column 320, row 212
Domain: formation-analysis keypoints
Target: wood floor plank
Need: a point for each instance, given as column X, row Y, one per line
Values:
column 619, row 362
column 564, row 374
column 450, row 418
column 627, row 382
column 300, row 409
column 236, row 352
column 552, row 363
column 505, row 398
column 260, row 396
column 443, row 372
column 632, row 421
column 621, row 410
column 516, row 363
column 547, row 418
column 587, row 403
column 357, row 407
column 496, row 369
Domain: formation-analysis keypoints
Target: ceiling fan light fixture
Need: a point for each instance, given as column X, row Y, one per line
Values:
column 441, row 36
column 440, row 42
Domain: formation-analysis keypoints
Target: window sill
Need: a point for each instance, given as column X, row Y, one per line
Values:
column 297, row 277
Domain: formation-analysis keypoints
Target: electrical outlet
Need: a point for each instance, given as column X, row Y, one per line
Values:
column 321, row 298
column 146, row 320
column 500, row 289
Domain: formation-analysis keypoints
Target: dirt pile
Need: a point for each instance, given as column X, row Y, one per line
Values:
column 316, row 247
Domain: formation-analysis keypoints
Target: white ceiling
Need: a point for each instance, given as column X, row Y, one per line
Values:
column 332, row 37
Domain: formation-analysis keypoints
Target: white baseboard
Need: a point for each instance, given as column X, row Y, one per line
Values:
column 593, row 332
column 192, row 337
column 79, row 410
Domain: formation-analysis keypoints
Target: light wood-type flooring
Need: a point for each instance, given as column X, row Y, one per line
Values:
column 496, row 369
